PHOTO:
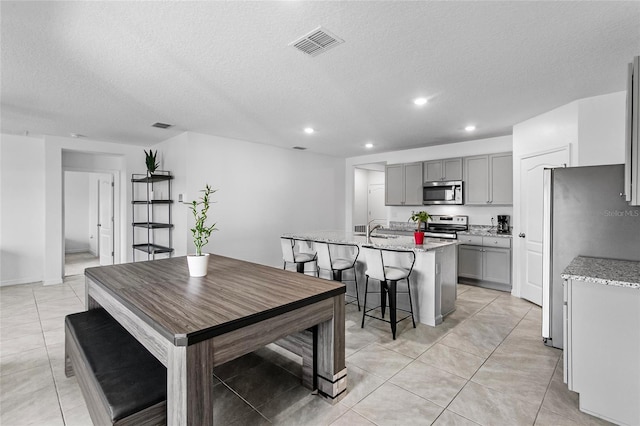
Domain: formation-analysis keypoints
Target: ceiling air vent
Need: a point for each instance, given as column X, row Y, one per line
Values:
column 300, row 148
column 316, row 42
column 162, row 125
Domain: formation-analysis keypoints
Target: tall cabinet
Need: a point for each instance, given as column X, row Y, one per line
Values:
column 151, row 214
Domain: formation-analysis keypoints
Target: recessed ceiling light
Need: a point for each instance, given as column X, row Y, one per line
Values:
column 470, row 128
column 420, row 101
column 308, row 130
column 368, row 145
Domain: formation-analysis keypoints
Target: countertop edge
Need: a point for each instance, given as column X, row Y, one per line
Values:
column 611, row 272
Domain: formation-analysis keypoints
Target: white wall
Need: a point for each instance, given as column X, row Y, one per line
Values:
column 33, row 239
column 601, row 128
column 77, row 210
column 21, row 209
column 593, row 128
column 263, row 192
column 478, row 215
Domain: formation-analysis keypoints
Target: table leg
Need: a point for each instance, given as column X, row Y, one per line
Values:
column 331, row 370
column 190, row 385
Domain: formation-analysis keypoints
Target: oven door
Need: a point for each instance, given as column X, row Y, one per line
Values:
column 442, row 193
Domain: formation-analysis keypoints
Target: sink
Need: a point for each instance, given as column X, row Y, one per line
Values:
column 382, row 237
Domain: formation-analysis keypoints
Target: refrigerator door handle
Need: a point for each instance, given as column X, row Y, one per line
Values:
column 547, row 259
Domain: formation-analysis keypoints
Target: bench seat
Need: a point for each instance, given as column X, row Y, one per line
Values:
column 120, row 380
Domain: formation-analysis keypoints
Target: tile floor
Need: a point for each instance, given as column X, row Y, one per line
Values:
column 484, row 365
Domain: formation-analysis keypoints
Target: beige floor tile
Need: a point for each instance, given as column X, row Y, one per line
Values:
column 560, row 400
column 351, row 418
column 22, row 344
column 315, row 411
column 449, row 418
column 38, row 407
column 392, row 405
column 27, row 317
column 69, row 393
column 25, row 382
column 18, row 312
column 53, row 292
column 360, row 383
column 488, row 407
column 429, row 382
column 24, row 361
column 77, row 416
column 548, row 418
column 451, row 360
column 379, row 361
column 527, row 355
column 529, row 386
column 19, row 330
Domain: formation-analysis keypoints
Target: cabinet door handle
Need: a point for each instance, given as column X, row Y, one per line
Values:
column 521, row 235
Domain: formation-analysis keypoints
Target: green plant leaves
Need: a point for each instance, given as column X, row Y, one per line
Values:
column 201, row 232
column 151, row 160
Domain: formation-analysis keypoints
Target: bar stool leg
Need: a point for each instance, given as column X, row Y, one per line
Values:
column 364, row 307
column 300, row 268
column 383, row 297
column 392, row 306
column 355, row 279
column 410, row 302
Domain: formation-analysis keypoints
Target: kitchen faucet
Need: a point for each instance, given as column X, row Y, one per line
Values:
column 370, row 229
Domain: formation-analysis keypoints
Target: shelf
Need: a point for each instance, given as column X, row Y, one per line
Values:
column 152, row 248
column 156, row 177
column 145, row 202
column 152, row 225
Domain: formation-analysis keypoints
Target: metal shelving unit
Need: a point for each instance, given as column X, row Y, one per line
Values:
column 146, row 208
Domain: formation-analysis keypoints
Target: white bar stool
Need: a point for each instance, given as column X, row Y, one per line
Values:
column 388, row 275
column 336, row 265
column 290, row 255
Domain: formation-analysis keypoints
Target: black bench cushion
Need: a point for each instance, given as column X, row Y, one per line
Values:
column 130, row 377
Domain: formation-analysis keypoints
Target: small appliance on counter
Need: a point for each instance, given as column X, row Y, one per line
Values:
column 503, row 224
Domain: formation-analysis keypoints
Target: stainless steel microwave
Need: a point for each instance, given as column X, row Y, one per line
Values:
column 439, row 192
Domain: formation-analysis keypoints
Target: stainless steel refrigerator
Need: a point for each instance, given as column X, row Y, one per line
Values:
column 585, row 214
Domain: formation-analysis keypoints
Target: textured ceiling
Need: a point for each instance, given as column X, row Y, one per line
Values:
column 108, row 70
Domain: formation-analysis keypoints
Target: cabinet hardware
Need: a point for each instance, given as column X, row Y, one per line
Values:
column 521, row 235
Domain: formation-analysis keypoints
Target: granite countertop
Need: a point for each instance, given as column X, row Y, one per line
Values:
column 386, row 241
column 484, row 231
column 619, row 273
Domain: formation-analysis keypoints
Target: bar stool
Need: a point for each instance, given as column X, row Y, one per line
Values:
column 388, row 277
column 338, row 264
column 290, row 255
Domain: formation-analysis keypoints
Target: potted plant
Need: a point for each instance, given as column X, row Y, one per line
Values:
column 198, row 262
column 151, row 161
column 419, row 217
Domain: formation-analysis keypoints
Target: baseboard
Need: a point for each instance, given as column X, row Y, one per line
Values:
column 20, row 281
column 52, row 282
column 77, row 250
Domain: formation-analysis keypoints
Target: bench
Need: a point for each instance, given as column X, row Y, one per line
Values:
column 122, row 383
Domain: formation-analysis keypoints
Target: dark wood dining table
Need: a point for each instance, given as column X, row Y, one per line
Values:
column 195, row 324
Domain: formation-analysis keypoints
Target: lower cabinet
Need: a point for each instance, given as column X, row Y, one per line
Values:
column 485, row 261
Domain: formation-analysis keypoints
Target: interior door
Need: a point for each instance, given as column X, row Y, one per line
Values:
column 375, row 203
column 105, row 220
column 531, row 219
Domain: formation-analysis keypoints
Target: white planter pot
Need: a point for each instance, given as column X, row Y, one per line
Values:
column 198, row 264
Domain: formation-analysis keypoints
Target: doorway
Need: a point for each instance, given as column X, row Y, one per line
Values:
column 88, row 220
column 531, row 217
column 369, row 195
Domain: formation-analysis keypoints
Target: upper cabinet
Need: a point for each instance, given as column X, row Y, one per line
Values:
column 403, row 184
column 489, row 179
column 447, row 169
column 632, row 155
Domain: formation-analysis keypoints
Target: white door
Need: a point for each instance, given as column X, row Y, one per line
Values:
column 531, row 229
column 105, row 220
column 375, row 203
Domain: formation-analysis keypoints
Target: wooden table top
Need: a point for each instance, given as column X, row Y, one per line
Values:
column 234, row 294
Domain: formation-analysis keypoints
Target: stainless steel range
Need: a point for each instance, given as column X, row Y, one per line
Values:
column 446, row 226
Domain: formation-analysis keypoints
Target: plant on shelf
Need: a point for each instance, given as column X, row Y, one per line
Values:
column 420, row 218
column 151, row 161
column 201, row 233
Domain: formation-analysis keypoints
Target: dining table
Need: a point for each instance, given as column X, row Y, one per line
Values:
column 194, row 324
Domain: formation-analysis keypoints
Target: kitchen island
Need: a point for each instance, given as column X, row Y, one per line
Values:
column 435, row 272
column 602, row 337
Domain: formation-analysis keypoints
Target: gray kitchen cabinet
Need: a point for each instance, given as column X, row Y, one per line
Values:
column 445, row 170
column 489, row 179
column 485, row 261
column 403, row 184
column 470, row 262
